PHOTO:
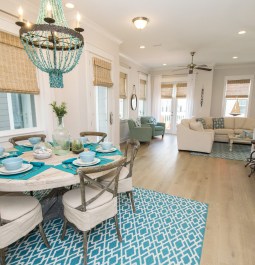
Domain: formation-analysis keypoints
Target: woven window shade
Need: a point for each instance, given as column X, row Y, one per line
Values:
column 123, row 85
column 18, row 74
column 238, row 88
column 181, row 90
column 142, row 89
column 166, row 90
column 102, row 73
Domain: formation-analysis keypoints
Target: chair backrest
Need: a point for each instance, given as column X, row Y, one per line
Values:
column 86, row 180
column 99, row 134
column 16, row 139
column 146, row 119
column 131, row 124
column 134, row 146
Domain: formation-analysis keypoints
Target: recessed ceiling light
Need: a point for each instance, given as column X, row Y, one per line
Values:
column 241, row 32
column 234, row 57
column 142, row 47
column 164, row 64
column 69, row 5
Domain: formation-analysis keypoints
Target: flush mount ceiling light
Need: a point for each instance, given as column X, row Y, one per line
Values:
column 164, row 64
column 241, row 32
column 50, row 44
column 69, row 5
column 234, row 57
column 142, row 47
column 140, row 22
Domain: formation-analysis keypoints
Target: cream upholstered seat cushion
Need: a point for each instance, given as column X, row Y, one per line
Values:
column 72, row 198
column 108, row 177
column 196, row 126
column 224, row 131
column 13, row 207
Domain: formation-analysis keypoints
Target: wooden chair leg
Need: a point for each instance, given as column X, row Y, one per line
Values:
column 43, row 236
column 2, row 255
column 132, row 201
column 127, row 194
column 64, row 229
column 85, row 247
column 31, row 193
column 117, row 227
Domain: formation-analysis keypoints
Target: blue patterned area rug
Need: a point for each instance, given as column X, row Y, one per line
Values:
column 221, row 150
column 166, row 230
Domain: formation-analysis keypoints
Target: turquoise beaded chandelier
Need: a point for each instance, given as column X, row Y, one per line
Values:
column 50, row 44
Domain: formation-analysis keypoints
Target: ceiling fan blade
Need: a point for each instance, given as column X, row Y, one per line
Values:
column 203, row 68
column 203, row 65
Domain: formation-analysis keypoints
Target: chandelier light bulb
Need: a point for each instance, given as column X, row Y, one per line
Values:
column 20, row 12
column 78, row 18
column 49, row 10
column 28, row 24
column 140, row 22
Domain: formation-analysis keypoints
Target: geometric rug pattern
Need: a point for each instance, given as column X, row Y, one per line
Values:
column 165, row 230
column 221, row 150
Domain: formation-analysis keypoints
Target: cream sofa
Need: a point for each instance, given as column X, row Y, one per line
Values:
column 201, row 140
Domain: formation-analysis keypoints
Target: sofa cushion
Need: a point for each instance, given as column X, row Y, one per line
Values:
column 239, row 122
column 196, row 126
column 229, row 123
column 159, row 128
column 208, row 122
column 224, row 131
column 218, row 123
column 249, row 124
column 202, row 121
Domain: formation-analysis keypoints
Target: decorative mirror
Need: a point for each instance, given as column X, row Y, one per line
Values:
column 133, row 102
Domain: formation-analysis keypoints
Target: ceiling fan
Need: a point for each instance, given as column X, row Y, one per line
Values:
column 193, row 66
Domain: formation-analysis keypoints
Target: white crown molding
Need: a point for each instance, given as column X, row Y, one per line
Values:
column 233, row 66
column 122, row 55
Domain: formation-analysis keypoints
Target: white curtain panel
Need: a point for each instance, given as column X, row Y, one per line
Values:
column 190, row 95
column 156, row 96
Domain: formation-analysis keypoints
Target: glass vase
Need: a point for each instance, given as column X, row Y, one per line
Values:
column 61, row 139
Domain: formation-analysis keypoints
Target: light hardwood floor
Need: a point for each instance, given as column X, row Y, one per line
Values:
column 222, row 184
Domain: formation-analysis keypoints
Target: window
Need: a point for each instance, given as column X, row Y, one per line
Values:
column 17, row 111
column 142, row 98
column 123, row 96
column 236, row 99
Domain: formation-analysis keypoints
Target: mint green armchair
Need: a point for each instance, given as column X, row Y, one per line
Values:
column 142, row 134
column 158, row 128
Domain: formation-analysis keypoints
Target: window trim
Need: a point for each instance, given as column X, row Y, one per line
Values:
column 237, row 77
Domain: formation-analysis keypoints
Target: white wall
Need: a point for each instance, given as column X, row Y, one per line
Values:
column 220, row 73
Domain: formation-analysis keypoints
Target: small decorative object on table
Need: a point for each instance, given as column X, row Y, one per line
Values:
column 42, row 150
column 60, row 136
column 77, row 146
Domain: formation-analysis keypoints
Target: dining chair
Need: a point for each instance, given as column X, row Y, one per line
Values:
column 125, row 178
column 19, row 214
column 16, row 139
column 93, row 202
column 102, row 135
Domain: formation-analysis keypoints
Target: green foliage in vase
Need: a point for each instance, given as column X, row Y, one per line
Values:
column 77, row 146
column 60, row 110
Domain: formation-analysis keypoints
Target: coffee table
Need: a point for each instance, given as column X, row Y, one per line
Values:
column 236, row 139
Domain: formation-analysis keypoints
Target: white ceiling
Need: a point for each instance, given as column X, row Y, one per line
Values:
column 208, row 27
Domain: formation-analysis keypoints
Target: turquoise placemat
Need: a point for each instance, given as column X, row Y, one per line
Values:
column 23, row 148
column 38, row 167
column 93, row 147
column 69, row 167
column 11, row 154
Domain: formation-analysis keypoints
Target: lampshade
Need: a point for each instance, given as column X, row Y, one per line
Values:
column 140, row 22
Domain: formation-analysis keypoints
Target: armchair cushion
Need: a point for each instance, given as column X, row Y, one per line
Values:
column 159, row 128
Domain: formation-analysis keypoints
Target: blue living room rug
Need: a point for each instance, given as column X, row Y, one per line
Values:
column 165, row 230
column 221, row 150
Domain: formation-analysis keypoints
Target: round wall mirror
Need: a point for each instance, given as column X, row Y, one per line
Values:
column 133, row 102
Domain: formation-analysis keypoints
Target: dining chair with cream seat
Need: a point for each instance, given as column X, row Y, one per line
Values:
column 125, row 179
column 93, row 202
column 20, row 138
column 19, row 214
column 101, row 135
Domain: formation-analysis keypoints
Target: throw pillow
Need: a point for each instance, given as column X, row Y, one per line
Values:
column 202, row 121
column 196, row 126
column 152, row 120
column 138, row 122
column 218, row 123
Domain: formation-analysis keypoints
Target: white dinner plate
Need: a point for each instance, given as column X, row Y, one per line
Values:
column 4, row 155
column 78, row 162
column 24, row 168
column 27, row 145
column 101, row 150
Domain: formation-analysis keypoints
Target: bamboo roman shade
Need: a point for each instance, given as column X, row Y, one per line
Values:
column 17, row 72
column 142, row 90
column 181, row 90
column 166, row 90
column 123, row 85
column 102, row 73
column 238, row 88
